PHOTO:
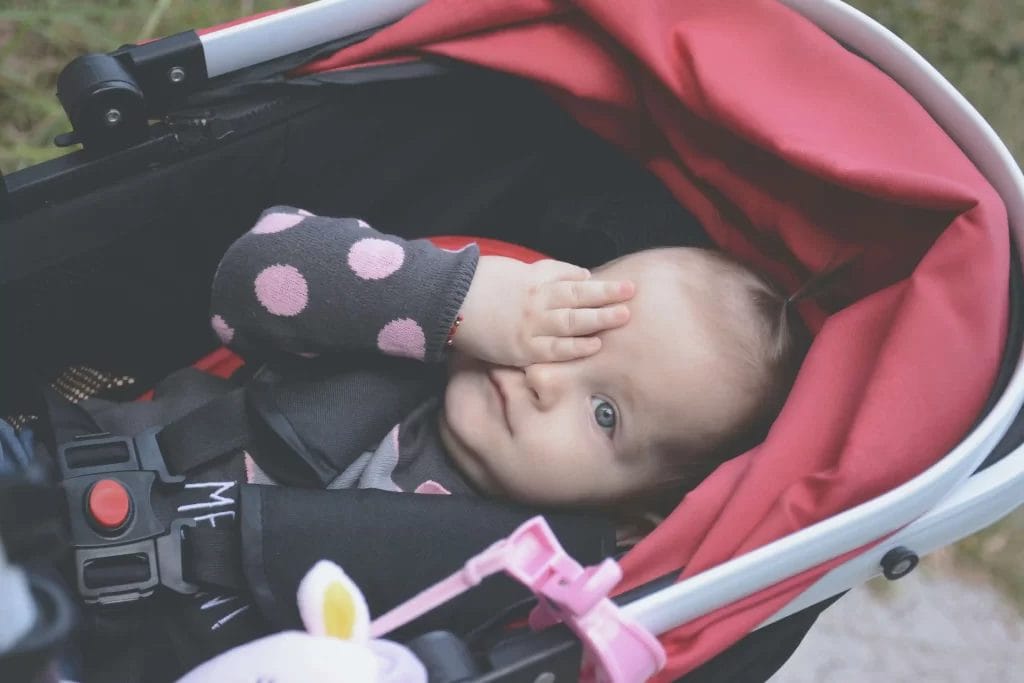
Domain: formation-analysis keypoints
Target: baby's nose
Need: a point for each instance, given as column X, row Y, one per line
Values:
column 545, row 382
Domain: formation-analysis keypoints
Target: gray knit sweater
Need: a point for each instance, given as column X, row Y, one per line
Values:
column 307, row 288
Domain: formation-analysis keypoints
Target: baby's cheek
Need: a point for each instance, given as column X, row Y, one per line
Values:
column 465, row 409
column 545, row 470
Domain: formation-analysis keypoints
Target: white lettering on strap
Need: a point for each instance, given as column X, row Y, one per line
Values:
column 229, row 617
column 217, row 601
column 212, row 517
column 216, row 498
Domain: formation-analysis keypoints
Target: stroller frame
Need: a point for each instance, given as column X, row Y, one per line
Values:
column 977, row 483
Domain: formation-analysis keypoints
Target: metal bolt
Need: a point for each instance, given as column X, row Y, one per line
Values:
column 899, row 562
column 112, row 117
column 546, row 677
column 176, row 74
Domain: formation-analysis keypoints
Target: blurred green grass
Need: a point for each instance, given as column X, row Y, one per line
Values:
column 39, row 37
column 977, row 44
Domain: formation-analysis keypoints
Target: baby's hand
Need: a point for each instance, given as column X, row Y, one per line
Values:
column 518, row 314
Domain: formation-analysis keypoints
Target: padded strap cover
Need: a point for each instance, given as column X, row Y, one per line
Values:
column 393, row 546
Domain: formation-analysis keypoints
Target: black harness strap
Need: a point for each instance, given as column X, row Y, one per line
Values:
column 114, row 645
column 213, row 557
column 216, row 428
column 66, row 420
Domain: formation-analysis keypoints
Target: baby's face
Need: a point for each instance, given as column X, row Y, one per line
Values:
column 582, row 432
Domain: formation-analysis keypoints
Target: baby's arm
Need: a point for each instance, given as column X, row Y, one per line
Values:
column 308, row 285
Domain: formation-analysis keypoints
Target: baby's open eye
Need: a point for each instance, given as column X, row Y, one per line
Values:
column 604, row 414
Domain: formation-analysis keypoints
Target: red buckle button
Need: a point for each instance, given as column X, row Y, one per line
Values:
column 108, row 504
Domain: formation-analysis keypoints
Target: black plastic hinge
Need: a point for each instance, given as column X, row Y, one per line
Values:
column 110, row 98
column 167, row 70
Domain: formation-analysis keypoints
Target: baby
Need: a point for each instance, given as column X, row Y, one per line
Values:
column 564, row 387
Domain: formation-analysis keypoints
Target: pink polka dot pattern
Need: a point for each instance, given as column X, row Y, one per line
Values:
column 250, row 469
column 431, row 487
column 282, row 290
column 223, row 330
column 276, row 222
column 403, row 337
column 374, row 259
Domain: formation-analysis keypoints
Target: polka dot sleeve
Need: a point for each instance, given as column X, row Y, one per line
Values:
column 308, row 285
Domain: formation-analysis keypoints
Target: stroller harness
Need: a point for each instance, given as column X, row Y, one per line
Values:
column 129, row 540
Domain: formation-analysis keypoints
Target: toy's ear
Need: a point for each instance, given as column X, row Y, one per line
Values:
column 331, row 605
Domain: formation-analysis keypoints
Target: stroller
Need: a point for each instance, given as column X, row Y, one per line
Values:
column 904, row 430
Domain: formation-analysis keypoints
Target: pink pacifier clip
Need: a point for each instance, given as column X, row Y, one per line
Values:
column 616, row 649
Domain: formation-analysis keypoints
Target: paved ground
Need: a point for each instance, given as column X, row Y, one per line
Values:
column 930, row 627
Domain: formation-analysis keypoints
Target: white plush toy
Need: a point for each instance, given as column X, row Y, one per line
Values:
column 336, row 647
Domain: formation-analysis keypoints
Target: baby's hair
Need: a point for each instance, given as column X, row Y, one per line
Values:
column 785, row 345
column 768, row 341
column 760, row 329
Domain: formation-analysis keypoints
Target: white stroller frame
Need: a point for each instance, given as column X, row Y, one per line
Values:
column 941, row 505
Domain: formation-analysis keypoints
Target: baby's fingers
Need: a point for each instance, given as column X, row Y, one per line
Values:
column 557, row 349
column 589, row 293
column 560, row 270
column 582, row 322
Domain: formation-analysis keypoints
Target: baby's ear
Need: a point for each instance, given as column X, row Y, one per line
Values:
column 330, row 604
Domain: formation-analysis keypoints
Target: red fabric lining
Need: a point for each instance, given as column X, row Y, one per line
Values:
column 797, row 156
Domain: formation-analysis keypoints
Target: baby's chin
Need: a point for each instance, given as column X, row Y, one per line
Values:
column 462, row 454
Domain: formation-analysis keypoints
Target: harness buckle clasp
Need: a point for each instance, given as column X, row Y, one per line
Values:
column 122, row 549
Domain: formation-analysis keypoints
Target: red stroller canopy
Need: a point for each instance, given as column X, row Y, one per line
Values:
column 800, row 158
